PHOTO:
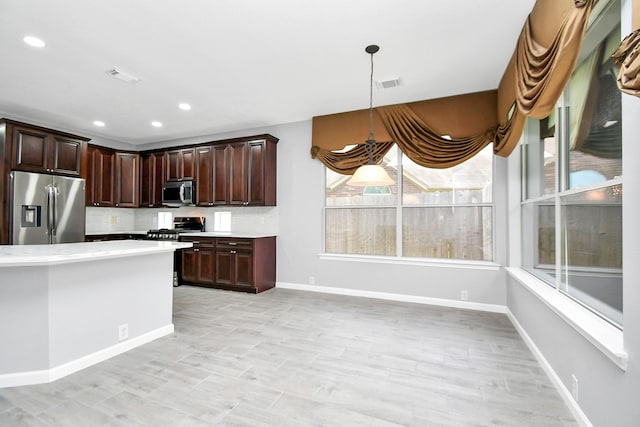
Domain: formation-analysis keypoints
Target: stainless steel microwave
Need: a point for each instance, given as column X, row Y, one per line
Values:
column 178, row 193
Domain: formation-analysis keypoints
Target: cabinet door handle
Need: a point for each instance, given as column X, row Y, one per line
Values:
column 231, row 243
column 195, row 242
column 196, row 250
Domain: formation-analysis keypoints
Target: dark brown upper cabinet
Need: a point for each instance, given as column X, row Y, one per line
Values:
column 233, row 172
column 252, row 173
column 220, row 184
column 237, row 173
column 204, row 176
column 261, row 173
column 100, row 177
column 127, row 180
column 152, row 176
column 180, row 164
column 41, row 150
column 113, row 178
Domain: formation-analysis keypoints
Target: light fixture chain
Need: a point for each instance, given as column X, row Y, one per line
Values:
column 371, row 138
column 370, row 174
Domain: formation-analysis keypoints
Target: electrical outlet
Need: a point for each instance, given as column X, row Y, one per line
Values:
column 464, row 295
column 123, row 331
column 575, row 391
column 312, row 280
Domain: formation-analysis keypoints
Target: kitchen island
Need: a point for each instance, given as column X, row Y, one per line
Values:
column 68, row 306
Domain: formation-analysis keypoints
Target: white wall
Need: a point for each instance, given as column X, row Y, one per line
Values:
column 300, row 240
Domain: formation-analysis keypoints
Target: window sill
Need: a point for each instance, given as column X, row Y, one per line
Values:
column 604, row 336
column 426, row 262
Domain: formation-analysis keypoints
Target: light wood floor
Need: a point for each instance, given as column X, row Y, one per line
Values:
column 293, row 358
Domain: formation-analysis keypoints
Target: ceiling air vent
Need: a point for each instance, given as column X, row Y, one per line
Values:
column 121, row 75
column 388, row 84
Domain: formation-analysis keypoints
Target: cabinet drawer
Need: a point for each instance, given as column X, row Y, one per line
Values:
column 199, row 242
column 245, row 244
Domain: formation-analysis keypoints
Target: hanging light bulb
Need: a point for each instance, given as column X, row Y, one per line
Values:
column 371, row 174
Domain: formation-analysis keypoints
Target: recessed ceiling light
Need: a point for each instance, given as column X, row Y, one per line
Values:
column 99, row 123
column 33, row 41
column 184, row 106
column 156, row 124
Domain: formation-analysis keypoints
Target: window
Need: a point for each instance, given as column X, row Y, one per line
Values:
column 572, row 181
column 428, row 213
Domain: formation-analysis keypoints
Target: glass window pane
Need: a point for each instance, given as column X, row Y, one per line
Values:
column 595, row 112
column 448, row 232
column 540, row 157
column 361, row 231
column 592, row 249
column 469, row 182
column 539, row 239
column 339, row 193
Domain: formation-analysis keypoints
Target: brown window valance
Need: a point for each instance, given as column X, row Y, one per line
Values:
column 627, row 57
column 545, row 55
column 541, row 66
column 441, row 143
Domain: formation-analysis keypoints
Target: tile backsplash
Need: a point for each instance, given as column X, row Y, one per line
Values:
column 245, row 219
column 110, row 220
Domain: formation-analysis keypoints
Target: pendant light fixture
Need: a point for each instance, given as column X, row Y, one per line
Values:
column 371, row 174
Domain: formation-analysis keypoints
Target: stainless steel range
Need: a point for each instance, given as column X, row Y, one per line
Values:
column 181, row 224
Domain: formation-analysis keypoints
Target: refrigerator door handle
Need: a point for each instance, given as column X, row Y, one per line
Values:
column 49, row 209
column 54, row 192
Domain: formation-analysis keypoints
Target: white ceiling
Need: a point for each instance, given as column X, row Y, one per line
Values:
column 240, row 64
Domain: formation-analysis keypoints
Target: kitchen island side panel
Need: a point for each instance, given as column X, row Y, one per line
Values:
column 65, row 307
column 24, row 316
column 90, row 301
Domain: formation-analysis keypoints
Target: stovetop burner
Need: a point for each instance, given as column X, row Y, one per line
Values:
column 181, row 224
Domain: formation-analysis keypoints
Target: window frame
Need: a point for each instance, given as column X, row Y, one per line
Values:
column 399, row 206
column 562, row 190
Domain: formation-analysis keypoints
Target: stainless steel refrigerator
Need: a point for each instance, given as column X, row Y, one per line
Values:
column 46, row 209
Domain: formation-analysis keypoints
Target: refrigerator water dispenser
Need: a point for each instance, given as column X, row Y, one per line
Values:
column 31, row 216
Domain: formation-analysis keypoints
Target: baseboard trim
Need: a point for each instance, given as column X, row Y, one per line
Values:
column 50, row 375
column 575, row 409
column 467, row 305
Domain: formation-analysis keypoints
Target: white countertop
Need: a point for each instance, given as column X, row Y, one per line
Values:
column 64, row 253
column 232, row 234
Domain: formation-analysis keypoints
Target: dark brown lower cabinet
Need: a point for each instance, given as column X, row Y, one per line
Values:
column 198, row 262
column 234, row 267
column 247, row 265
